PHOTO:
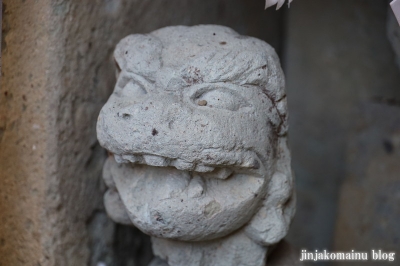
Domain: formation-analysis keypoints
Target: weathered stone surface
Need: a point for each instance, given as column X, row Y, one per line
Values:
column 197, row 124
column 369, row 206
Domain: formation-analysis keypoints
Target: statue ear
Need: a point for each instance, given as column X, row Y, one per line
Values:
column 271, row 223
column 139, row 54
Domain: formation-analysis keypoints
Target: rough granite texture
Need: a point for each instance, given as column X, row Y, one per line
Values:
column 57, row 72
column 197, row 124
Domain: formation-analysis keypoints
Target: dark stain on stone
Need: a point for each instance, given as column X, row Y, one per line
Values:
column 222, row 43
column 264, row 66
column 194, row 77
column 154, row 132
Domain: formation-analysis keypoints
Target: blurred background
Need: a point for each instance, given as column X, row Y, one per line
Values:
column 342, row 64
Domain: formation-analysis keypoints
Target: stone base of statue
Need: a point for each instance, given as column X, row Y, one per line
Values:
column 284, row 254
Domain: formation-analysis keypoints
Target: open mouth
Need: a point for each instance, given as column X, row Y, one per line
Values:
column 159, row 161
column 180, row 164
column 177, row 199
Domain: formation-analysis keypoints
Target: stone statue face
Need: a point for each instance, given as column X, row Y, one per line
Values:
column 196, row 124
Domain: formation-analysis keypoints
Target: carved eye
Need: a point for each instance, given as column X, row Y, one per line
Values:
column 130, row 88
column 220, row 98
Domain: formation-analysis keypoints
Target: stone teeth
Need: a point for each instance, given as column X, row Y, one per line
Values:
column 183, row 165
column 132, row 158
column 155, row 160
column 203, row 168
column 253, row 164
column 119, row 159
column 222, row 173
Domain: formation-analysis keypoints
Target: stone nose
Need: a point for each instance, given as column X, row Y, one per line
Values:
column 151, row 114
column 129, row 112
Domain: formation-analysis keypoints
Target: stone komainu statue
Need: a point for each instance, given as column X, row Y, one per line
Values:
column 197, row 124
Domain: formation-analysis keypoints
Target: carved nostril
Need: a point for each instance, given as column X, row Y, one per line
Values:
column 123, row 115
column 126, row 116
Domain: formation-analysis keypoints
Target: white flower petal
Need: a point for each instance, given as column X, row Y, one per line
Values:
column 280, row 4
column 269, row 3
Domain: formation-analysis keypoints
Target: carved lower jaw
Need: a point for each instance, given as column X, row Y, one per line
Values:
column 187, row 205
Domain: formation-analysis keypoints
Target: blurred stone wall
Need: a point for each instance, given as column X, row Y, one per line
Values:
column 369, row 203
column 57, row 73
column 337, row 56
